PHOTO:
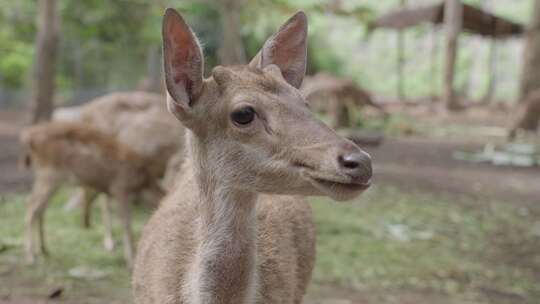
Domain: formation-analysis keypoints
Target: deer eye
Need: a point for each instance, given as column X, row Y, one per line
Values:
column 243, row 116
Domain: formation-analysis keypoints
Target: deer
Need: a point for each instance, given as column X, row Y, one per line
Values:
column 157, row 139
column 236, row 227
column 62, row 152
column 138, row 119
column 104, row 111
column 337, row 96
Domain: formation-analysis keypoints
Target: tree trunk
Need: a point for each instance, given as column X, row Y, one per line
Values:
column 45, row 60
column 453, row 12
column 153, row 82
column 401, row 60
column 78, row 73
column 530, row 79
column 232, row 49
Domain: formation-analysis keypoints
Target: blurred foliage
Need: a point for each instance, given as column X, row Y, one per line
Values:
column 16, row 61
column 106, row 44
column 16, row 36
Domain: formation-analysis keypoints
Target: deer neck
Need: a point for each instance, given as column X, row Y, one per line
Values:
column 224, row 269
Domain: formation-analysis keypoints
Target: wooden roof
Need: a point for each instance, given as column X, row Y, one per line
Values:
column 475, row 20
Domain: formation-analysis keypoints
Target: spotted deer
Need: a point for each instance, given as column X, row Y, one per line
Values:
column 237, row 228
column 62, row 152
column 138, row 120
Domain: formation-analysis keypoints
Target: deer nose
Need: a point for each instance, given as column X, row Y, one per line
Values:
column 357, row 165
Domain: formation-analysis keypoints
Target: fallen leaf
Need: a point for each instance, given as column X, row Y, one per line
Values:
column 56, row 293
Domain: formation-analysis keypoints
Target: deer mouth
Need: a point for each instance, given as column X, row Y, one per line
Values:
column 338, row 188
column 337, row 185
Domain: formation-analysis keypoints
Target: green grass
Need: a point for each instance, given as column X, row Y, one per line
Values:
column 388, row 240
column 70, row 245
column 396, row 240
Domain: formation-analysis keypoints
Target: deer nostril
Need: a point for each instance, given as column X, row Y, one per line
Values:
column 356, row 164
column 348, row 161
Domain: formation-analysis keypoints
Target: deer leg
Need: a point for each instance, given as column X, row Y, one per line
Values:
column 29, row 223
column 42, row 191
column 75, row 200
column 125, row 217
column 108, row 240
column 88, row 197
column 41, row 239
column 41, row 219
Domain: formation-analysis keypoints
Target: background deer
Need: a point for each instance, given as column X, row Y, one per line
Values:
column 236, row 228
column 338, row 97
column 137, row 119
column 60, row 152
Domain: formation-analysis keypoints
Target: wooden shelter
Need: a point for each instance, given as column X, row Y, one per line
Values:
column 471, row 19
column 475, row 21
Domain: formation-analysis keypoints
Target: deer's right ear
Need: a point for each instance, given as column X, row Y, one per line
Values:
column 183, row 63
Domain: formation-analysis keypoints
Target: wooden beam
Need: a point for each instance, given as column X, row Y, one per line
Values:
column 453, row 19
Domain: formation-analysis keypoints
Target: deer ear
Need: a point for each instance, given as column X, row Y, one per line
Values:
column 183, row 62
column 287, row 49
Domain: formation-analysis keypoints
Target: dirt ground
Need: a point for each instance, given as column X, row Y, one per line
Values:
column 427, row 164
column 406, row 162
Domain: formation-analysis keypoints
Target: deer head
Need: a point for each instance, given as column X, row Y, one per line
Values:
column 250, row 126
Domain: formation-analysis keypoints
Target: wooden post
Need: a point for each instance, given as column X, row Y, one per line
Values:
column 453, row 15
column 530, row 79
column 492, row 57
column 434, row 59
column 492, row 73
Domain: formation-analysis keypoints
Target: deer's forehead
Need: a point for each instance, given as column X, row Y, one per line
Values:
column 257, row 82
column 264, row 87
column 284, row 100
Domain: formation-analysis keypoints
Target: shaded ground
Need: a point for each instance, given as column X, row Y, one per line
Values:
column 427, row 164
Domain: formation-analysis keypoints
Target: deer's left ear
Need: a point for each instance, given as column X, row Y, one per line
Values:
column 287, row 49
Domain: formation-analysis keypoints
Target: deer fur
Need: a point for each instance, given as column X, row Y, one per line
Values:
column 61, row 152
column 236, row 228
column 155, row 137
column 138, row 120
column 104, row 110
column 173, row 172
